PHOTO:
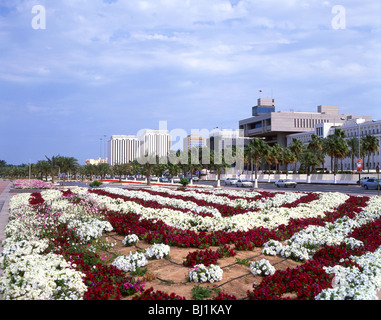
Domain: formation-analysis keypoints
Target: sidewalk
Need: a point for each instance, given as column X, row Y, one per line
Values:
column 5, row 187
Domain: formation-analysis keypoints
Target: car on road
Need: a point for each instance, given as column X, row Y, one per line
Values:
column 372, row 183
column 231, row 181
column 194, row 178
column 362, row 180
column 244, row 183
column 163, row 179
column 176, row 179
column 286, row 183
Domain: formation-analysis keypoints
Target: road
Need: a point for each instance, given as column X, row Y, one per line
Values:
column 303, row 187
column 312, row 187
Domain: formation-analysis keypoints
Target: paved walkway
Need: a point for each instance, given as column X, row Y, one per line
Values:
column 5, row 187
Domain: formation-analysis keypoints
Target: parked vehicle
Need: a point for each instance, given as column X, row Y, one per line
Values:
column 244, row 183
column 176, row 179
column 194, row 178
column 154, row 178
column 362, row 180
column 231, row 181
column 163, row 179
column 372, row 183
column 286, row 183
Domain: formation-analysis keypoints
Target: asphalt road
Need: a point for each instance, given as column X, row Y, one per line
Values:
column 312, row 187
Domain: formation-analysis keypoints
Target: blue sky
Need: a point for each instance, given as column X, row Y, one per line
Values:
column 119, row 66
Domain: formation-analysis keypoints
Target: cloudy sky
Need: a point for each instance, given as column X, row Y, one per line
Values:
column 82, row 69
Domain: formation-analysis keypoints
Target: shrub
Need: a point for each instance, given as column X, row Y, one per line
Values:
column 95, row 183
column 184, row 181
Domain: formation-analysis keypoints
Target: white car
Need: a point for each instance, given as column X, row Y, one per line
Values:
column 286, row 183
column 244, row 183
column 362, row 180
column 176, row 179
column 230, row 181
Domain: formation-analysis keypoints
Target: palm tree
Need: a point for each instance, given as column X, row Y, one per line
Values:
column 219, row 166
column 342, row 146
column 277, row 153
column 353, row 144
column 369, row 145
column 53, row 164
column 121, row 169
column 136, row 168
column 309, row 160
column 316, row 145
column 67, row 165
column 191, row 163
column 256, row 149
column 297, row 148
column 289, row 158
column 43, row 167
column 102, row 169
column 147, row 163
column 173, row 169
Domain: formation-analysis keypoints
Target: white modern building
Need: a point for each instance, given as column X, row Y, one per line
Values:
column 155, row 143
column 359, row 127
column 123, row 149
column 220, row 139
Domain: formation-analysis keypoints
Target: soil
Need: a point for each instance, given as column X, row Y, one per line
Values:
column 170, row 275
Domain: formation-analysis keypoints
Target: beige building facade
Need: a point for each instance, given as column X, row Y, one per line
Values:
column 274, row 126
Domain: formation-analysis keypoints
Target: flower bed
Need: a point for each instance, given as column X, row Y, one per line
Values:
column 335, row 239
column 32, row 184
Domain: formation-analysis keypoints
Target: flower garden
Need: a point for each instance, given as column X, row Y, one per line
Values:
column 163, row 243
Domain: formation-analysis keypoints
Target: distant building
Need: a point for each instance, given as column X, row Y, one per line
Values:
column 194, row 140
column 220, row 139
column 123, row 149
column 96, row 161
column 359, row 127
column 274, row 126
column 155, row 142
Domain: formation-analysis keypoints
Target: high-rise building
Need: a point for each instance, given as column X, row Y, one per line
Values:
column 274, row 127
column 220, row 139
column 194, row 140
column 123, row 149
column 155, row 143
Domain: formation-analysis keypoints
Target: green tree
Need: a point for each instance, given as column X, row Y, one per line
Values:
column 255, row 151
column 353, row 152
column 53, row 162
column 370, row 145
column 297, row 147
column 67, row 165
column 219, row 165
column 309, row 160
column 43, row 167
column 103, row 169
column 121, row 169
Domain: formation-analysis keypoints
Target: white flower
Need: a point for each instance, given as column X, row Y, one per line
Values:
column 201, row 273
column 262, row 267
column 130, row 240
column 157, row 251
column 131, row 262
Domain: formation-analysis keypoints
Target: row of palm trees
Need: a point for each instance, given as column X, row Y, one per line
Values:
column 312, row 155
column 256, row 155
